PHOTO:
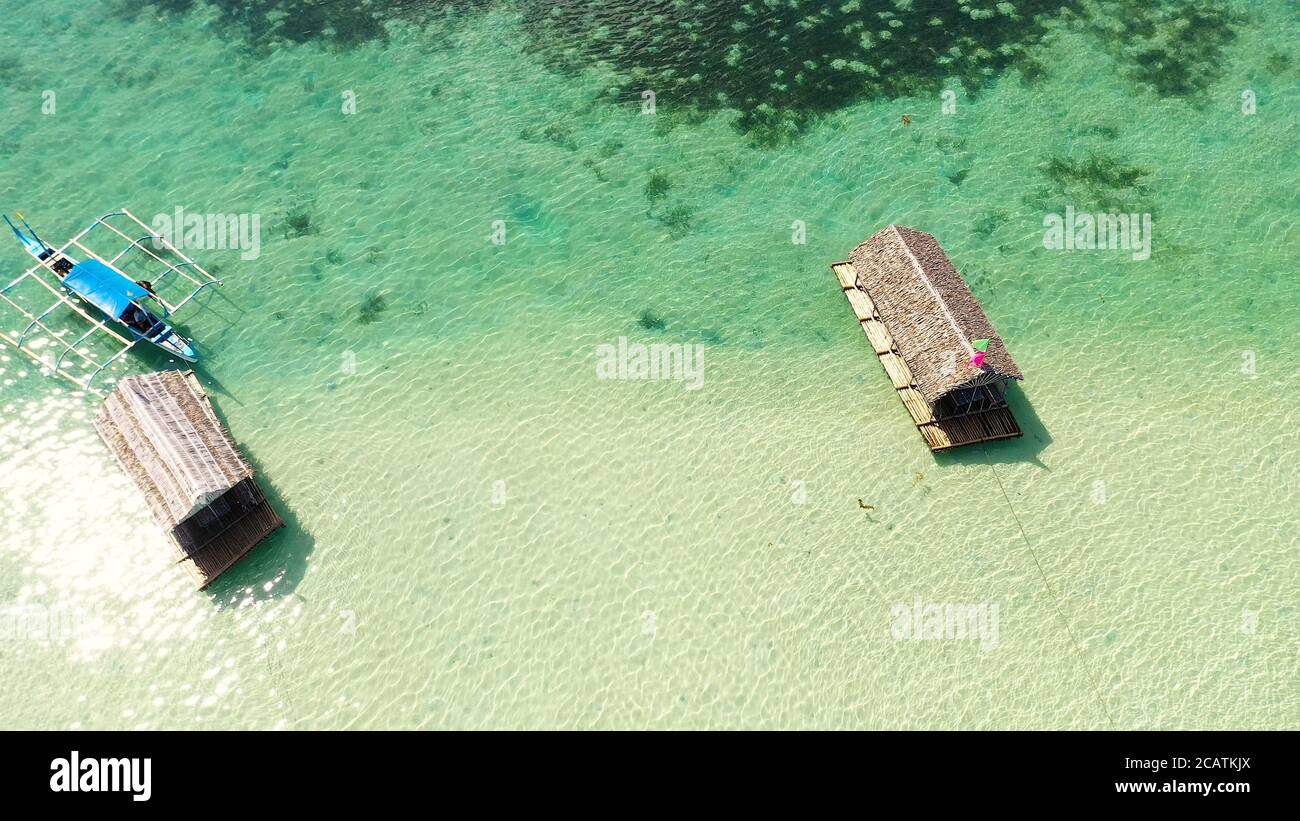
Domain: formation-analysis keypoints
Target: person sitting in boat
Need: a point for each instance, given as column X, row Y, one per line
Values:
column 139, row 319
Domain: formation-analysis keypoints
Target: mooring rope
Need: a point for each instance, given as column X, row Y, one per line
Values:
column 1056, row 602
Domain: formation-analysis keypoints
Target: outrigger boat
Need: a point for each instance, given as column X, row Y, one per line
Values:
column 135, row 307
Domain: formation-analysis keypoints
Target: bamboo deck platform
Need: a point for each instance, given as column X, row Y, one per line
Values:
column 939, row 434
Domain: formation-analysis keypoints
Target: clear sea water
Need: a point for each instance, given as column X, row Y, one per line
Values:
column 481, row 533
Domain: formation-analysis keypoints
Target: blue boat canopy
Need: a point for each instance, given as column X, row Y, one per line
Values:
column 103, row 287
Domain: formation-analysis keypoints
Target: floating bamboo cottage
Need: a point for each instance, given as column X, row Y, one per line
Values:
column 922, row 319
column 163, row 431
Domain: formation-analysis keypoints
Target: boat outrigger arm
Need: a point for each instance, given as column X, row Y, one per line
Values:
column 97, row 283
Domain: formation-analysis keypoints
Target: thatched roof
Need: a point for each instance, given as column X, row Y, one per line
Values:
column 930, row 312
column 168, row 439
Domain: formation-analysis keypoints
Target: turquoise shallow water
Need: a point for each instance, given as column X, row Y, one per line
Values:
column 483, row 534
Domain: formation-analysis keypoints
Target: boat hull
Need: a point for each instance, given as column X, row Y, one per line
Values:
column 166, row 339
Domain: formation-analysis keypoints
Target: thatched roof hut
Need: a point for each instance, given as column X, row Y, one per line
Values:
column 930, row 311
column 200, row 489
column 923, row 321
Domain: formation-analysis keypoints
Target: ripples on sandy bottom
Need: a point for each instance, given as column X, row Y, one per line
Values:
column 483, row 534
column 642, row 562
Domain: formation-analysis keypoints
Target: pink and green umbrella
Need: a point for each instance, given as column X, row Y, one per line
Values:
column 981, row 347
